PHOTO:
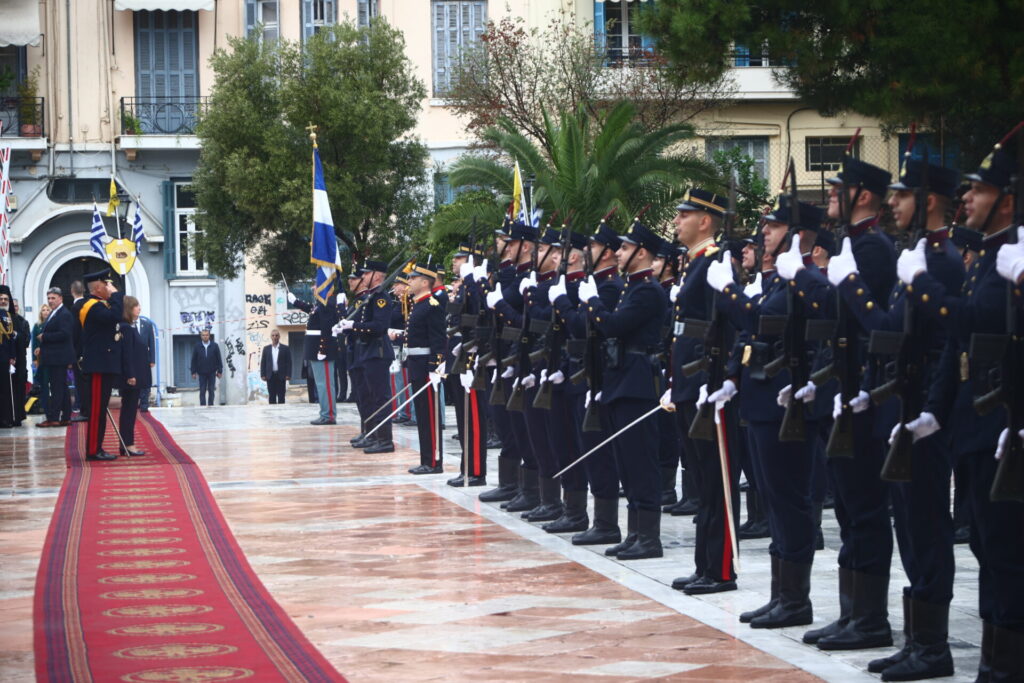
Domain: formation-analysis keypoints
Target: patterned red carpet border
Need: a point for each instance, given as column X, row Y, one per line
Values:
column 141, row 579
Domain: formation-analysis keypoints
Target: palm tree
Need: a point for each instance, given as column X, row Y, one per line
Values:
column 586, row 172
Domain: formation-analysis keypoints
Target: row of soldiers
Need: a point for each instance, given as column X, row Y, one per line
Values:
column 637, row 355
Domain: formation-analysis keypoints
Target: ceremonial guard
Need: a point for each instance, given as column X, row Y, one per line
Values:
column 320, row 349
column 100, row 317
column 8, row 360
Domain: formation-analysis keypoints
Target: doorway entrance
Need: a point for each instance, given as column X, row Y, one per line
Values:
column 76, row 269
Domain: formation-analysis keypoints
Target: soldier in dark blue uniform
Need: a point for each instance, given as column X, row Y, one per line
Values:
column 670, row 449
column 924, row 527
column 632, row 332
column 373, row 354
column 424, row 337
column 8, row 359
column 100, row 318
column 320, row 350
column 980, row 308
column 600, row 468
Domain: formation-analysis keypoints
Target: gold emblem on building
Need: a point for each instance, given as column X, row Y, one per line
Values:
column 188, row 674
column 121, row 254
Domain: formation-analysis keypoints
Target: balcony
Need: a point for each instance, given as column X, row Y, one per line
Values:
column 23, row 124
column 160, row 123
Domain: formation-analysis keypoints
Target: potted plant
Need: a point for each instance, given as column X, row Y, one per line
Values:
column 28, row 109
column 130, row 125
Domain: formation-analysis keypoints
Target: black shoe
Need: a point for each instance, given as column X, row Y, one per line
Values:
column 569, row 522
column 706, row 584
column 755, row 529
column 845, row 606
column 648, row 538
column 794, row 605
column 322, row 421
column 80, row 418
column 546, row 512
column 493, row 442
column 684, row 508
column 529, row 492
column 962, row 534
column 684, row 581
column 750, row 615
column 426, row 469
column 132, row 451
column 473, row 481
column 379, row 447
column 926, row 653
column 669, row 498
column 868, row 626
column 606, row 524
column 628, row 541
column 359, row 442
column 499, row 494
column 598, row 536
column 102, row 455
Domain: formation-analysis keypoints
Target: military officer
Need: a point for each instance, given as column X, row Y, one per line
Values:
column 320, row 349
column 100, row 317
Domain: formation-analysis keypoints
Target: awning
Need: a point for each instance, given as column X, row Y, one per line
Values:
column 150, row 5
column 19, row 22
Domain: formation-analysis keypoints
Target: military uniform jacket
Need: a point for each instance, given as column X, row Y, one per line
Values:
column 370, row 329
column 425, row 329
column 319, row 338
column 574, row 314
column 101, row 338
column 634, row 326
column 982, row 309
column 692, row 303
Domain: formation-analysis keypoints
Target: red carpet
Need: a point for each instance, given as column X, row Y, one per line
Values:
column 141, row 579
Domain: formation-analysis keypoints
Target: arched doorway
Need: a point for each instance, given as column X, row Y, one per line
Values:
column 76, row 269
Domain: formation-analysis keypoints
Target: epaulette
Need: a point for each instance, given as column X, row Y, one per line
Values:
column 434, row 301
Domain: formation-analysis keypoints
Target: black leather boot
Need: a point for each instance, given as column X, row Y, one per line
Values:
column 845, row 605
column 1007, row 661
column 819, row 538
column 688, row 505
column 380, row 447
column 550, row 507
column 606, row 524
column 529, row 494
column 574, row 516
column 668, row 486
column 928, row 655
column 794, row 605
column 630, row 539
column 877, row 666
column 869, row 618
column 648, row 537
column 359, row 441
column 745, row 617
column 520, row 473
column 508, row 470
column 756, row 525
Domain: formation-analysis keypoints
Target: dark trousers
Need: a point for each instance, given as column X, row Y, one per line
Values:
column 713, row 544
column 862, row 502
column 144, row 397
column 58, row 407
column 99, row 386
column 599, row 468
column 503, row 427
column 783, row 474
column 207, row 386
column 520, row 433
column 924, row 526
column 428, row 422
column 276, row 387
column 356, row 375
column 538, row 425
column 374, row 391
column 471, row 413
column 637, row 463
column 129, row 411
column 8, row 416
column 340, row 378
column 566, row 441
column 996, row 542
column 81, row 391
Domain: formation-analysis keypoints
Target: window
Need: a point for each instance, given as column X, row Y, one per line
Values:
column 366, row 11
column 185, row 231
column 316, row 14
column 458, row 25
column 826, row 154
column 616, row 29
column 166, row 75
column 12, row 69
column 940, row 153
column 265, row 13
column 754, row 147
column 742, row 56
column 182, row 352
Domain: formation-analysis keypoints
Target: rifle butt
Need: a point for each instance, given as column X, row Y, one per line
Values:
column 498, row 394
column 775, row 366
column 591, row 419
column 793, row 427
column 517, row 401
column 542, row 401
column 579, row 376
column 840, row 441
column 881, row 394
column 1008, row 483
column 986, row 403
column 823, row 375
column 538, row 355
column 693, row 367
column 703, row 425
column 897, row 465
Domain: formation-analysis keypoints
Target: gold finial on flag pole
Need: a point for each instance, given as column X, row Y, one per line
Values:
column 312, row 132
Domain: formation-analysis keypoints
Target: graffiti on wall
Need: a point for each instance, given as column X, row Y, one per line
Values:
column 197, row 321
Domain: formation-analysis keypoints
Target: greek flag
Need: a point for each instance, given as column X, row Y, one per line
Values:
column 98, row 233
column 137, row 232
column 324, row 245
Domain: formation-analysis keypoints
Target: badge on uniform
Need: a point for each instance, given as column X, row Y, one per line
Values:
column 381, row 303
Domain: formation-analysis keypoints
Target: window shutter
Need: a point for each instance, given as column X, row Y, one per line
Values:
column 143, row 54
column 250, row 16
column 189, row 55
column 168, row 193
column 600, row 28
column 440, row 46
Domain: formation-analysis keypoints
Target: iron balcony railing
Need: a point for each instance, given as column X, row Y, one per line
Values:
column 161, row 115
column 22, row 117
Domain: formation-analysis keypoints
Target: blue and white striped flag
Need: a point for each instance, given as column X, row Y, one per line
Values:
column 324, row 245
column 137, row 232
column 98, row 233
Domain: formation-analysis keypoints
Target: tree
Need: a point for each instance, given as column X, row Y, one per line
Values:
column 253, row 182
column 589, row 168
column 752, row 191
column 516, row 73
column 953, row 65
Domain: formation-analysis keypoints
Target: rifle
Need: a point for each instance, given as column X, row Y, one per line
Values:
column 464, row 323
column 1008, row 373
column 517, row 400
column 905, row 374
column 551, row 347
column 713, row 333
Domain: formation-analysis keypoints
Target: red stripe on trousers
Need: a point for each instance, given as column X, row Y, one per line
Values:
column 473, row 429
column 329, row 377
column 394, row 390
column 92, row 447
column 727, row 547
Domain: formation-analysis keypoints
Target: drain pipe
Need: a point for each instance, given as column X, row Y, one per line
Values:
column 71, row 101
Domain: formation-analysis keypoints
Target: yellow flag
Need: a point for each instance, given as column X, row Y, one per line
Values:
column 517, row 191
column 114, row 201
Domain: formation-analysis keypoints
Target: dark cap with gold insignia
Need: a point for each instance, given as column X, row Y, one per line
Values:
column 697, row 199
column 942, row 181
column 424, row 269
column 997, row 168
column 99, row 276
column 810, row 215
column 857, row 172
column 524, row 232
column 642, row 236
column 606, row 236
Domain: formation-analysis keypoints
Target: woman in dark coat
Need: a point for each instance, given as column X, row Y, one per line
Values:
column 135, row 367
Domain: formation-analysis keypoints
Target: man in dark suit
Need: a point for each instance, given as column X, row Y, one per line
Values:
column 56, row 354
column 100, row 318
column 81, row 403
column 207, row 365
column 276, row 367
column 147, row 331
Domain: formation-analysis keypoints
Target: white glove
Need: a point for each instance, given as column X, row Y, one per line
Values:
column 529, row 381
column 556, row 290
column 666, row 400
column 1004, row 439
column 785, row 394
column 321, row 356
column 806, row 393
column 14, row 368
column 598, row 396
column 791, row 261
column 493, row 298
column 843, row 264
column 509, row 371
column 588, row 289
column 860, row 402
column 494, row 376
column 702, row 396
column 754, row 288
column 466, row 380
column 1010, row 259
column 911, row 263
column 338, row 329
column 587, row 399
column 924, row 426
column 456, row 349
column 895, row 430
column 434, row 379
column 556, row 377
column 723, row 395
column 342, row 299
column 480, row 272
column 720, row 275
column 527, row 282
column 466, row 269
column 543, row 375
column 396, row 366
column 673, row 293
column 837, row 406
column 291, row 298
column 347, row 325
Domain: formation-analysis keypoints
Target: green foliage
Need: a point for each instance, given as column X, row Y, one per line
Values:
column 28, row 90
column 752, row 191
column 454, row 222
column 952, row 65
column 253, row 184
